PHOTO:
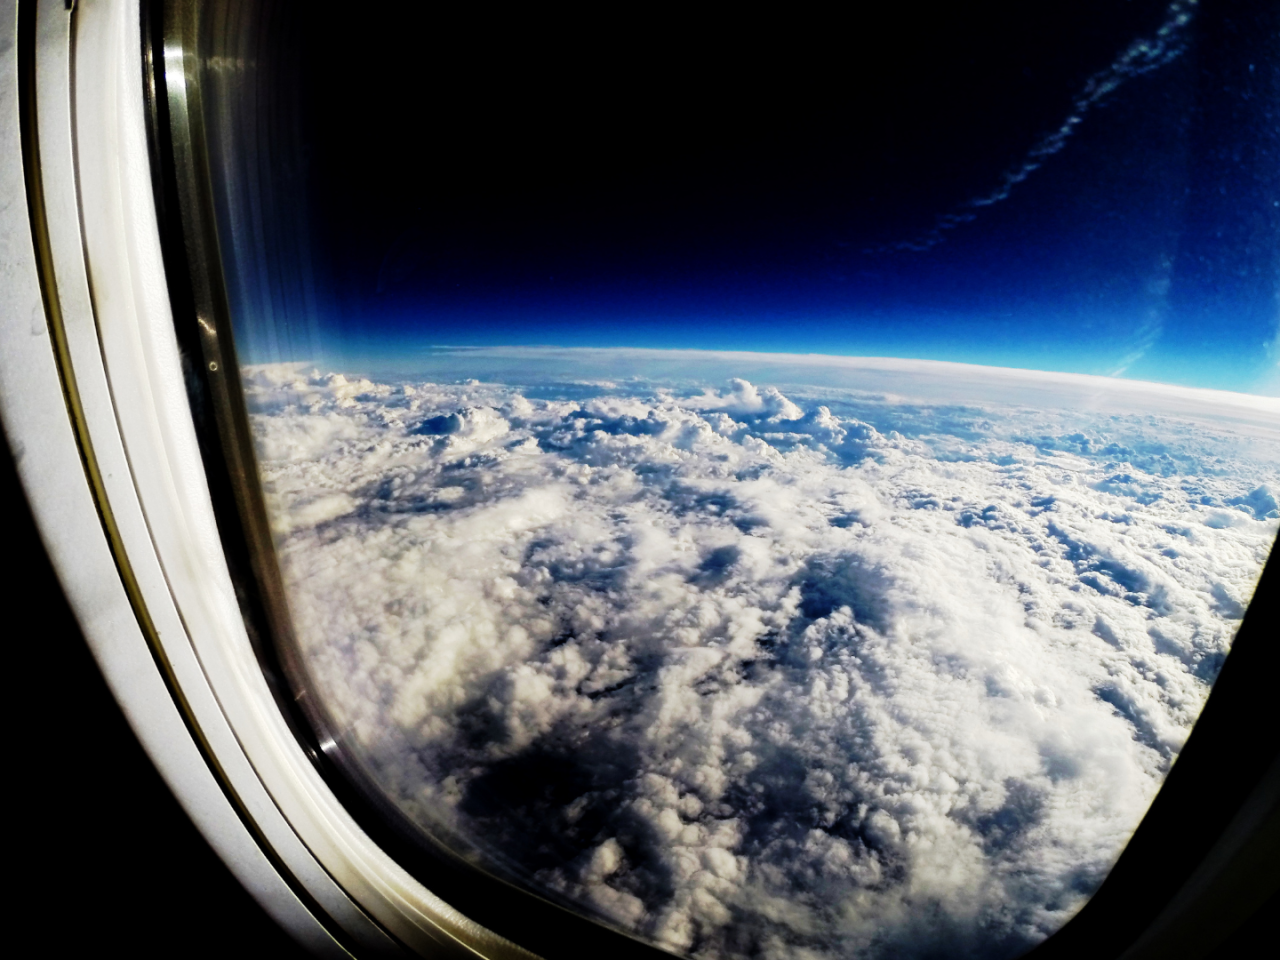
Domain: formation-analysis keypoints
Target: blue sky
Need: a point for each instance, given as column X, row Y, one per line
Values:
column 1094, row 191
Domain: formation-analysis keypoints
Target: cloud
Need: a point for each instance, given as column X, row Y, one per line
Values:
column 577, row 372
column 743, row 399
column 1141, row 56
column 752, row 673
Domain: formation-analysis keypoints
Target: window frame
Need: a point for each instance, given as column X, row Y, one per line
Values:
column 115, row 341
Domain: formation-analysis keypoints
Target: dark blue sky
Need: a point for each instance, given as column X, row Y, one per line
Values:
column 911, row 185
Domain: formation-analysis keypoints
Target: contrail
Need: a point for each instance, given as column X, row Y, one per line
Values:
column 1142, row 56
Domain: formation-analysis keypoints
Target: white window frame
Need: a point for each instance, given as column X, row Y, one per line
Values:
column 93, row 402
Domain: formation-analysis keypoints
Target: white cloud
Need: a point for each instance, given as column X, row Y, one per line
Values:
column 1143, row 55
column 751, row 673
column 887, row 379
column 744, row 399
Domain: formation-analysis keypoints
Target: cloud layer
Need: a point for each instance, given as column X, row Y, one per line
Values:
column 754, row 674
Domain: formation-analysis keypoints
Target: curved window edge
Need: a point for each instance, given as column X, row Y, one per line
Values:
column 1204, row 857
column 117, row 486
column 1123, row 911
column 38, row 403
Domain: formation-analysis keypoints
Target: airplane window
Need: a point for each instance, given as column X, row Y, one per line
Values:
column 764, row 486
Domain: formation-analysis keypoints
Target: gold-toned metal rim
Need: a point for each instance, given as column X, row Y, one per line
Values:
column 45, row 270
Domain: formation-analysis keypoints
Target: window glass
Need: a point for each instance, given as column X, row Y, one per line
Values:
column 778, row 486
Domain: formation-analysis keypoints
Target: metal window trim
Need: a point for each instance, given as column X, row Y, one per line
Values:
column 37, row 400
column 93, row 402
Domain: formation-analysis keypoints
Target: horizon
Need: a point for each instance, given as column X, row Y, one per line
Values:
column 367, row 364
column 1101, row 198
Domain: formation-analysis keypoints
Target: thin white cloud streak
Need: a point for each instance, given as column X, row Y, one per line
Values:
column 924, row 380
column 868, row 680
column 1142, row 56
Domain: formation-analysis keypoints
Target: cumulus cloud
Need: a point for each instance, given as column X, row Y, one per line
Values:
column 744, row 399
column 754, row 674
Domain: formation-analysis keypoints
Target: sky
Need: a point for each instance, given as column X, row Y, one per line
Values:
column 1091, row 187
column 642, row 534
